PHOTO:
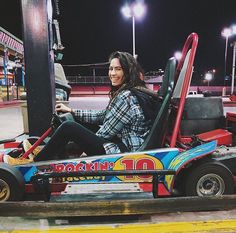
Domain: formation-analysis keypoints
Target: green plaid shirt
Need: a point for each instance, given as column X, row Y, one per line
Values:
column 123, row 118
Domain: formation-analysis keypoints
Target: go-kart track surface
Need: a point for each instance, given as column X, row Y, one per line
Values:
column 134, row 217
column 11, row 120
column 154, row 215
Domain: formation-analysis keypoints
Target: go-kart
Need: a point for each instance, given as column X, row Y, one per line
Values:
column 168, row 163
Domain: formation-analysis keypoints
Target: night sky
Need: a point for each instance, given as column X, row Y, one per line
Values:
column 92, row 29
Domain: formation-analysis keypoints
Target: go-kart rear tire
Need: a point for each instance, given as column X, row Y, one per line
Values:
column 209, row 179
column 12, row 185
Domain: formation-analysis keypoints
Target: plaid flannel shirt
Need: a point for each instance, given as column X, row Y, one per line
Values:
column 123, row 118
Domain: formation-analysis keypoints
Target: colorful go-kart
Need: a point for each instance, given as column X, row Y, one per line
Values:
column 188, row 163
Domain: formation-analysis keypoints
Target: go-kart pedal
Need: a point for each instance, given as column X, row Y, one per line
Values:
column 14, row 161
column 27, row 145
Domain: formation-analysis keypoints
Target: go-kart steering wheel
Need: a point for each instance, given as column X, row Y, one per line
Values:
column 56, row 120
column 59, row 118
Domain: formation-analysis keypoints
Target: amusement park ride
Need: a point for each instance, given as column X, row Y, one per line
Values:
column 190, row 150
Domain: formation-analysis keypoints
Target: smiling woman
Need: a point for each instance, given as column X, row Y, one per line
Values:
column 116, row 73
column 121, row 127
column 124, row 72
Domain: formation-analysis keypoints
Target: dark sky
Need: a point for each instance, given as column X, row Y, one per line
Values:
column 92, row 29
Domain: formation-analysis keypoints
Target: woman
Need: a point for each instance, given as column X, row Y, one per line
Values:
column 123, row 125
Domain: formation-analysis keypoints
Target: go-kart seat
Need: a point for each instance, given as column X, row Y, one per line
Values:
column 156, row 136
column 61, row 82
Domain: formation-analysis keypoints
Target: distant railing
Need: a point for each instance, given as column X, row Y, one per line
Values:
column 103, row 79
column 87, row 79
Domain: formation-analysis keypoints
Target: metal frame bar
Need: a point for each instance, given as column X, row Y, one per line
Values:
column 43, row 179
column 191, row 42
column 37, row 143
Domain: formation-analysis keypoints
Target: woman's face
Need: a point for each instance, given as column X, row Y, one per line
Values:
column 116, row 73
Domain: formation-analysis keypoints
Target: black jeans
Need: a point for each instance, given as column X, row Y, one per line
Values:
column 85, row 138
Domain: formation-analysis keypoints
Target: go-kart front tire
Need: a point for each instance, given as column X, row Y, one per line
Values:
column 209, row 179
column 12, row 185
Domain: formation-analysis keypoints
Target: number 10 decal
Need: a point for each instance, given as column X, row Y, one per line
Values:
column 137, row 162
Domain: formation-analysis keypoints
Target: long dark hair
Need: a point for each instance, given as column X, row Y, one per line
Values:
column 131, row 69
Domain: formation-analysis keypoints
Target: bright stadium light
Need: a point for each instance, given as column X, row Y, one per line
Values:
column 178, row 55
column 126, row 11
column 135, row 10
column 208, row 77
column 227, row 32
column 138, row 10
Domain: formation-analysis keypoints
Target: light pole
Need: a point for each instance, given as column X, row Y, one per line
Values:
column 135, row 10
column 233, row 67
column 227, row 32
column 233, row 31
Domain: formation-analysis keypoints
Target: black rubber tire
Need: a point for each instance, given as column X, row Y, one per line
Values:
column 14, row 181
column 217, row 173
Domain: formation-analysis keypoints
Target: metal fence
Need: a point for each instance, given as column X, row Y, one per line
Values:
column 88, row 79
column 103, row 79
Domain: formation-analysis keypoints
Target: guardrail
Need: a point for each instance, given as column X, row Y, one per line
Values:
column 88, row 79
column 78, row 79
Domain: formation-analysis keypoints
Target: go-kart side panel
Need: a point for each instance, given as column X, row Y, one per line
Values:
column 167, row 158
column 158, row 159
column 182, row 159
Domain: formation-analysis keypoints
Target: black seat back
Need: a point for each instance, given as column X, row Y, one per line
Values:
column 157, row 133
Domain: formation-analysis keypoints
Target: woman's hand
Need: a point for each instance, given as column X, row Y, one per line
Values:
column 62, row 108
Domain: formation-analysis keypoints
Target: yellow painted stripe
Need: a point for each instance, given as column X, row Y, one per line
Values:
column 172, row 227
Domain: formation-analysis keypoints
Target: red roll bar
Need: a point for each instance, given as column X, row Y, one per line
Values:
column 37, row 143
column 191, row 43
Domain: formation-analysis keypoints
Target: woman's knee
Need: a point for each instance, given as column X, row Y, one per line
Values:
column 67, row 126
column 74, row 129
